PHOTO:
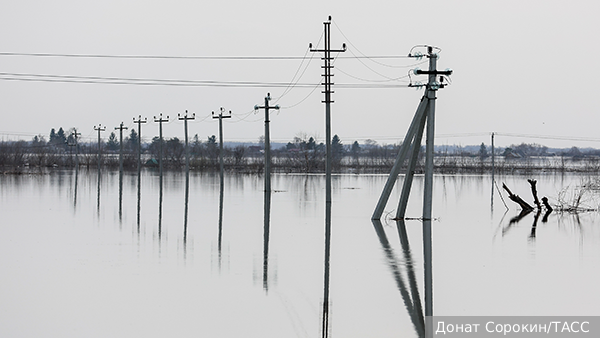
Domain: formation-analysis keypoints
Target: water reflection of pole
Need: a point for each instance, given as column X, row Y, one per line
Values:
column 325, row 323
column 221, row 190
column 160, row 201
column 120, row 195
column 139, row 199
column 185, row 213
column 266, row 233
column 412, row 300
column 493, row 172
column 75, row 192
column 98, row 193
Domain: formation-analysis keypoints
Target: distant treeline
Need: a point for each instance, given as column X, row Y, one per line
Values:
column 302, row 154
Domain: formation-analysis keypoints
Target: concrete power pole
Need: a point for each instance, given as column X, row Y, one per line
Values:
column 160, row 121
column 139, row 145
column 76, row 145
column 220, row 116
column 120, row 129
column 99, row 129
column 187, row 149
column 327, row 84
column 266, row 107
column 424, row 120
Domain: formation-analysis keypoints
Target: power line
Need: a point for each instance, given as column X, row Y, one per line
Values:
column 27, row 77
column 174, row 57
column 140, row 81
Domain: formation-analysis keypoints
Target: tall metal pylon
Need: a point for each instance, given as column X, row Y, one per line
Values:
column 424, row 119
column 266, row 107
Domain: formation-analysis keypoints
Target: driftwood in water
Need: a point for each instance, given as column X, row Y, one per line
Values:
column 534, row 192
column 546, row 204
column 515, row 198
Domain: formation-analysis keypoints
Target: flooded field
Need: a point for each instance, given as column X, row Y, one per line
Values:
column 83, row 256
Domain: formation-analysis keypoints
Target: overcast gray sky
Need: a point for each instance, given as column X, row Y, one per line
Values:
column 520, row 67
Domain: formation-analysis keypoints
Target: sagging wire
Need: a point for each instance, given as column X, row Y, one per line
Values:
column 366, row 80
column 364, row 55
column 292, row 83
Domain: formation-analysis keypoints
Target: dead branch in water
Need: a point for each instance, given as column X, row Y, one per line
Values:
column 515, row 198
column 534, row 192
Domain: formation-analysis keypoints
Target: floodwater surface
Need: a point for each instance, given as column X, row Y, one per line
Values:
column 144, row 257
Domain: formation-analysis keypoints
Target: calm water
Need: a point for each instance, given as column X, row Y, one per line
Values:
column 83, row 258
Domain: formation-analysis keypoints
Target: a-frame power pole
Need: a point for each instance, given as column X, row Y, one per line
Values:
column 424, row 119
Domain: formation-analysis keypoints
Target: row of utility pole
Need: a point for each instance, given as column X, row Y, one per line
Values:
column 423, row 122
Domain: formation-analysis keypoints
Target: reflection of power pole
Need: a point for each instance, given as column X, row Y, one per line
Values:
column 160, row 121
column 120, row 128
column 221, row 117
column 267, row 141
column 139, row 122
column 99, row 129
column 187, row 149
